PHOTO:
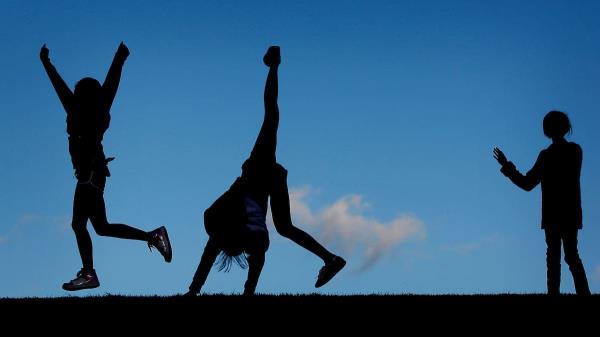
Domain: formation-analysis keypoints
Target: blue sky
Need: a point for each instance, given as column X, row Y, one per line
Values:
column 389, row 113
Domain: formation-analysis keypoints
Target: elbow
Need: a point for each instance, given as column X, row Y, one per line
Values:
column 527, row 187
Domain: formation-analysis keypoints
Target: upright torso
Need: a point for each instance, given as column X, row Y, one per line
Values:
column 561, row 197
column 86, row 131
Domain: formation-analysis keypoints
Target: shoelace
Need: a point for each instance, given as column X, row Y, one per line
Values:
column 326, row 267
column 156, row 238
column 80, row 274
column 322, row 272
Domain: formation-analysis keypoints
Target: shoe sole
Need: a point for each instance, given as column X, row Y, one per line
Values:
column 80, row 288
column 169, row 256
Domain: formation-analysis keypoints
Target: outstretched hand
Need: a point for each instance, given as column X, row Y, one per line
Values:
column 44, row 54
column 123, row 51
column 273, row 57
column 500, row 157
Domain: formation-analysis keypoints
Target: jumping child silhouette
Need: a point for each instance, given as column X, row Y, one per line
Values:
column 88, row 117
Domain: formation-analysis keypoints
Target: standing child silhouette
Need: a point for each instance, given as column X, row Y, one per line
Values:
column 88, row 117
column 236, row 222
column 557, row 168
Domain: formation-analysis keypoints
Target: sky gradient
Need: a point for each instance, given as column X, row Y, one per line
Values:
column 389, row 114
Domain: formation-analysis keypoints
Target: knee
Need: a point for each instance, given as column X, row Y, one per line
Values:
column 572, row 258
column 553, row 256
column 286, row 230
column 78, row 225
column 102, row 229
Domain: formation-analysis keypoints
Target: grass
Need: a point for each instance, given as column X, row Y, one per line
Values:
column 376, row 312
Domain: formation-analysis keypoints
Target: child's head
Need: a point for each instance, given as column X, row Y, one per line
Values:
column 89, row 116
column 88, row 92
column 556, row 125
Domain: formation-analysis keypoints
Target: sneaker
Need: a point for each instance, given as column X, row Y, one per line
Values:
column 328, row 271
column 160, row 240
column 84, row 280
column 272, row 57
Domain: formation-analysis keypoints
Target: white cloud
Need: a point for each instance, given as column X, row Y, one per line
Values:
column 6, row 236
column 32, row 219
column 343, row 225
column 464, row 248
column 29, row 218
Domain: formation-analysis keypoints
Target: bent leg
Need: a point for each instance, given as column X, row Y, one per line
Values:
column 101, row 225
column 280, row 209
column 266, row 142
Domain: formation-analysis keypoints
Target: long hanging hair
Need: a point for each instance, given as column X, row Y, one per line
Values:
column 225, row 261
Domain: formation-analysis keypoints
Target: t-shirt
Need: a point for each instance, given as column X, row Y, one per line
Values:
column 257, row 217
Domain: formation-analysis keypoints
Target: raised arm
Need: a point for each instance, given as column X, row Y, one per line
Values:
column 62, row 89
column 528, row 181
column 113, row 77
column 256, row 262
column 206, row 262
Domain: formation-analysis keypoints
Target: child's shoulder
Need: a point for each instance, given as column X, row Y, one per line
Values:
column 575, row 146
column 567, row 146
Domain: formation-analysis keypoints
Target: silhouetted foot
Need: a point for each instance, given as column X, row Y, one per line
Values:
column 84, row 280
column 160, row 240
column 329, row 270
column 272, row 57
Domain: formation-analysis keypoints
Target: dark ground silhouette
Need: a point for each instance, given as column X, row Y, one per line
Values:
column 371, row 315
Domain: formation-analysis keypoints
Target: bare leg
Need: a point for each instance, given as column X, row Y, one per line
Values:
column 101, row 225
column 79, row 224
column 266, row 142
column 280, row 208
